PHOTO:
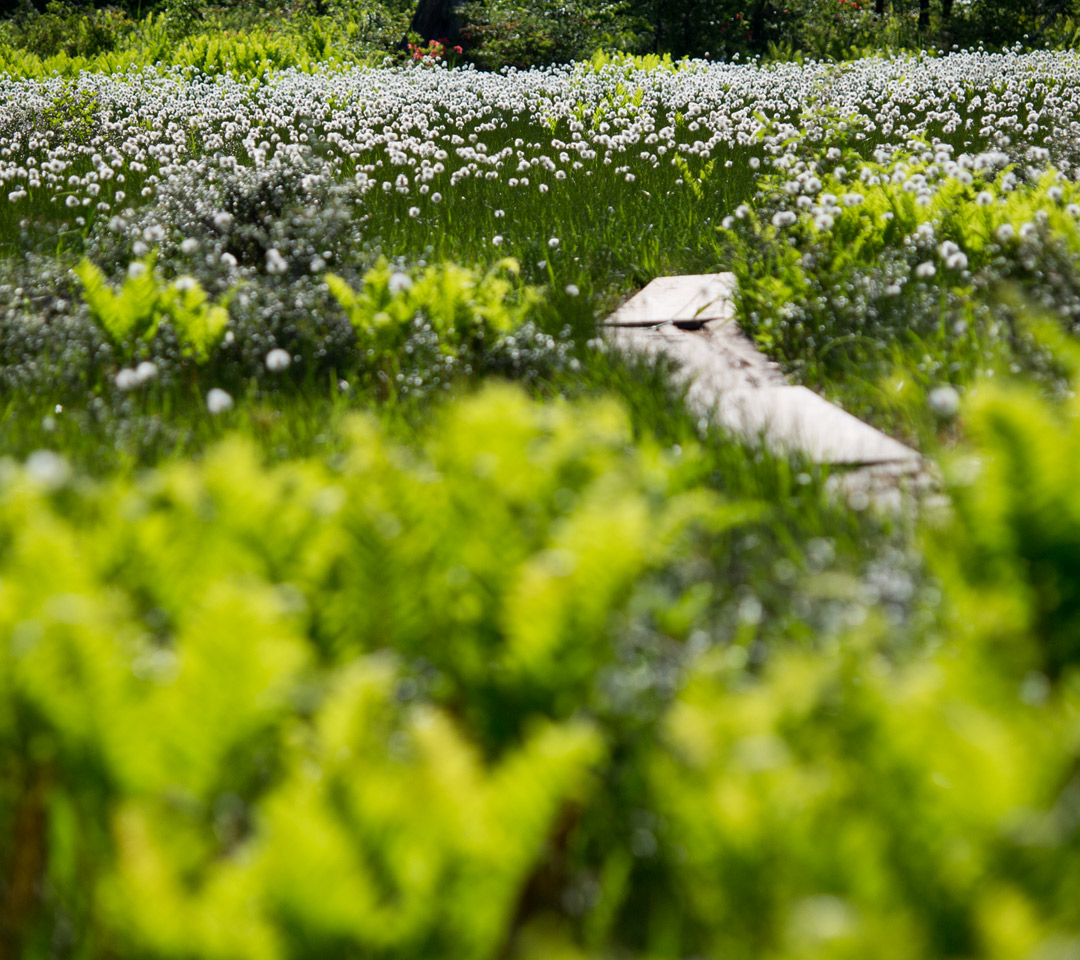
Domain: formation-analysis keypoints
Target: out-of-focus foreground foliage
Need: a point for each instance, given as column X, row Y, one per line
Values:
column 381, row 706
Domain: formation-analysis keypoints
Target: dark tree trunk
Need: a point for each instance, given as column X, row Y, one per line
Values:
column 757, row 25
column 879, row 7
column 435, row 20
column 924, row 15
column 946, row 9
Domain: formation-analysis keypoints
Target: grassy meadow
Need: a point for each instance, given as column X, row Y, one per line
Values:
column 357, row 601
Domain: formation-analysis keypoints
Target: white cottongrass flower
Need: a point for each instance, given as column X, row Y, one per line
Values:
column 189, row 246
column 414, row 212
column 136, row 269
column 1027, row 231
column 146, row 371
column 572, row 290
column 497, row 240
column 984, row 198
column 48, row 468
column 553, row 242
column 278, row 360
column 223, row 220
column 1005, row 232
column 275, row 262
column 925, row 270
column 784, row 218
column 399, row 282
column 126, row 379
column 218, row 401
column 436, row 198
column 944, row 401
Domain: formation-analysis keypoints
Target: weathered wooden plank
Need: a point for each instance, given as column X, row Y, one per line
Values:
column 689, row 299
column 690, row 320
column 792, row 418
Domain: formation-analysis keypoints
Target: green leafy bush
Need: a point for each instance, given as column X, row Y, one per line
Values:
column 838, row 806
column 368, row 706
column 898, row 261
column 67, row 28
column 144, row 302
column 1014, row 551
column 252, row 713
column 462, row 309
column 66, row 42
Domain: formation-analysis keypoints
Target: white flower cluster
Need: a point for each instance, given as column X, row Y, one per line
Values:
column 422, row 133
column 129, row 378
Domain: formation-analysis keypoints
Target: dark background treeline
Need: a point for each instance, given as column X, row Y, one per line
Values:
column 492, row 33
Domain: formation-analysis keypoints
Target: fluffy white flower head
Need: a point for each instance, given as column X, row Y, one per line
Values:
column 218, row 401
column 278, row 360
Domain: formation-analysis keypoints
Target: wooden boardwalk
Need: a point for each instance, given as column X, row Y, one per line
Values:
column 691, row 319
